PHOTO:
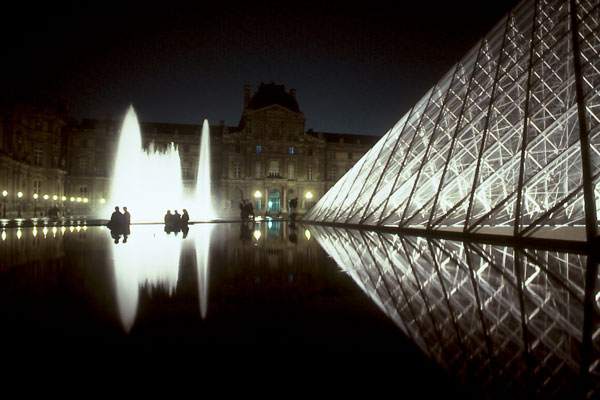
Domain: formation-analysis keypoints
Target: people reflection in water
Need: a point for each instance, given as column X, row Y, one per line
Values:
column 246, row 231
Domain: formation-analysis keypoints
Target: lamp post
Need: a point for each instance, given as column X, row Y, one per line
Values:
column 35, row 197
column 4, row 194
column 46, row 197
column 64, row 208
column 19, row 195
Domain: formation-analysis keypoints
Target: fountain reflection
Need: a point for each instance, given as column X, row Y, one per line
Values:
column 500, row 320
column 150, row 261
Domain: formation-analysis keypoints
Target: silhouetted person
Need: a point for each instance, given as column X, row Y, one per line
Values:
column 293, row 207
column 126, row 216
column 243, row 214
column 185, row 218
column 126, row 223
column 176, row 220
column 249, row 210
column 116, row 220
column 168, row 221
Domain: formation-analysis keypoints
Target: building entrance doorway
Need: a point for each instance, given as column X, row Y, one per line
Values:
column 274, row 201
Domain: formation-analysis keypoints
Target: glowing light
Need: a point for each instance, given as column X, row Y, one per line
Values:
column 62, row 230
column 258, row 194
column 35, row 231
column 63, row 198
column 54, row 230
column 4, row 193
column 72, row 199
column 46, row 197
column 19, row 233
column 35, row 196
column 308, row 195
column 102, row 201
column 55, row 197
column 257, row 234
column 71, row 229
column 149, row 182
column 3, row 235
column 79, row 199
column 85, row 200
column 307, row 234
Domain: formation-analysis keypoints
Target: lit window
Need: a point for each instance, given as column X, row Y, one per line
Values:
column 258, row 149
column 292, row 150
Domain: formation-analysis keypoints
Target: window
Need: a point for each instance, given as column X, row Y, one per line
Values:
column 291, row 171
column 331, row 155
column 186, row 170
column 83, row 190
column 37, row 186
column 292, row 150
column 309, row 173
column 258, row 149
column 273, row 169
column 38, row 156
column 83, row 165
column 350, row 156
column 258, row 170
column 332, row 174
column 237, row 170
column 238, row 148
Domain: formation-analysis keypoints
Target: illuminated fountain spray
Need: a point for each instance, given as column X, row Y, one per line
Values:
column 149, row 182
column 203, row 196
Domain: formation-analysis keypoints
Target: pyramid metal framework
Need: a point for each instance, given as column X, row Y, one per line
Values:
column 497, row 318
column 508, row 142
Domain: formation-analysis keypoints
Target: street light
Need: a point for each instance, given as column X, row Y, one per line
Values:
column 4, row 194
column 19, row 195
column 46, row 197
column 35, row 197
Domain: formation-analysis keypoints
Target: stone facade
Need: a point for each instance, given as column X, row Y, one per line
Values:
column 32, row 157
column 268, row 158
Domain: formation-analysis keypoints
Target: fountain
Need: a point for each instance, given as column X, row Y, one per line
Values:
column 149, row 182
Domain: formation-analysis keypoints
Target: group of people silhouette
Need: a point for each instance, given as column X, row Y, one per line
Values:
column 119, row 224
column 176, row 222
column 246, row 210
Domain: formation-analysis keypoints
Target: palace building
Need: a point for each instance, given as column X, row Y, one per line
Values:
column 269, row 158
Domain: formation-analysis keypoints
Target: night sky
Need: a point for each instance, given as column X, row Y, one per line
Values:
column 357, row 66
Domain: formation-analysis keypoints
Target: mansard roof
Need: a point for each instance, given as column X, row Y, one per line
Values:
column 269, row 94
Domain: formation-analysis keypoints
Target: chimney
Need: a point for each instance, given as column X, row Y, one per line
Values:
column 293, row 93
column 246, row 96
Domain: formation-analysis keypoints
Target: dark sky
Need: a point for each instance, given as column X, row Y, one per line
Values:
column 357, row 66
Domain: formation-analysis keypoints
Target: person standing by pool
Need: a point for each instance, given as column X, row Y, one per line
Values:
column 185, row 218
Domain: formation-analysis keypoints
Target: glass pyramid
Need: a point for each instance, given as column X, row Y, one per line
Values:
column 507, row 143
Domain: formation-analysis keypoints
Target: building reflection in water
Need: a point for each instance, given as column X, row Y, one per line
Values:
column 498, row 319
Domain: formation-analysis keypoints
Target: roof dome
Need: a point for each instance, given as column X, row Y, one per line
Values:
column 269, row 94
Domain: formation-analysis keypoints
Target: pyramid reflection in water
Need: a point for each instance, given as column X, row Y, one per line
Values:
column 507, row 142
column 498, row 319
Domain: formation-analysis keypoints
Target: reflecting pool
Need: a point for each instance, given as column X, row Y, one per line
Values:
column 476, row 318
